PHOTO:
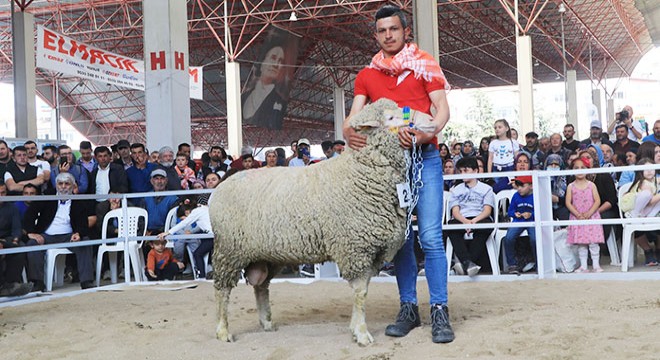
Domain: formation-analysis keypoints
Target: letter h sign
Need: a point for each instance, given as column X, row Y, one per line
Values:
column 159, row 62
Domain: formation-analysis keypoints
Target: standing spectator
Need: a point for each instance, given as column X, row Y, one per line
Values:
column 557, row 148
column 50, row 222
column 328, row 149
column 514, row 134
column 623, row 144
column 422, row 87
column 304, row 156
column 596, row 136
column 139, row 174
column 68, row 164
column 444, row 152
column 570, row 143
column 32, row 159
column 186, row 174
column 582, row 200
column 471, row 202
column 107, row 176
column 185, row 149
column 5, row 158
column 124, row 152
column 655, row 137
column 19, row 172
column 532, row 147
column 483, row 149
column 502, row 149
column 49, row 154
column 338, row 146
column 166, row 162
column 544, row 145
column 281, row 156
column 607, row 155
column 456, row 150
column 625, row 117
column 467, row 150
column 86, row 160
column 153, row 157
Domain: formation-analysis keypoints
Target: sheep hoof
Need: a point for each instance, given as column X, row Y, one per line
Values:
column 268, row 326
column 363, row 338
column 224, row 335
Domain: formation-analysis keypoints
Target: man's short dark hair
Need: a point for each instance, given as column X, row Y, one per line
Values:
column 137, row 145
column 101, row 149
column 49, row 147
column 327, row 145
column 19, row 148
column 84, row 145
column 247, row 156
column 62, row 147
column 390, row 10
column 29, row 142
column 468, row 162
column 570, row 126
column 182, row 145
column 623, row 126
column 280, row 152
column 4, row 142
column 35, row 187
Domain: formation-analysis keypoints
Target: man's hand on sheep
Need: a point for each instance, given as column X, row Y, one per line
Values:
column 355, row 141
column 406, row 134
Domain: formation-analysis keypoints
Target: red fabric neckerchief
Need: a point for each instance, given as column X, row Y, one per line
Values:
column 410, row 58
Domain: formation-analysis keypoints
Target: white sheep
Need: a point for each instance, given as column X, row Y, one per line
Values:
column 344, row 210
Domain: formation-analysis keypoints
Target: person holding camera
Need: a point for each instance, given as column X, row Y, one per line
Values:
column 625, row 117
column 303, row 158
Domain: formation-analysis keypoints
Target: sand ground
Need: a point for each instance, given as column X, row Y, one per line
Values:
column 540, row 319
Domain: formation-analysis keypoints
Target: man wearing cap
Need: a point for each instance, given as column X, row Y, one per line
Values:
column 402, row 72
column 338, row 146
column 521, row 209
column 596, row 136
column 124, row 150
column 139, row 174
column 158, row 206
column 623, row 144
column 532, row 147
column 303, row 158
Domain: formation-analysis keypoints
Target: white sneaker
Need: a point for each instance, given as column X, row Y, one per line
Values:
column 458, row 268
column 529, row 266
column 473, row 269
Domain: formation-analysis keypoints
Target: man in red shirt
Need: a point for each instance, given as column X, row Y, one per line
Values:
column 411, row 77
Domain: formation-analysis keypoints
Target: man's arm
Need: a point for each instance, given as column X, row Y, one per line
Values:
column 355, row 140
column 638, row 134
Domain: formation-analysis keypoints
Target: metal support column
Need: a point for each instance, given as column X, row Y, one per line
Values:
column 571, row 86
column 234, row 116
column 339, row 104
column 525, row 82
column 25, row 112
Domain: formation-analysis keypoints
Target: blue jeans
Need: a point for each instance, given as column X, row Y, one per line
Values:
column 512, row 235
column 429, row 220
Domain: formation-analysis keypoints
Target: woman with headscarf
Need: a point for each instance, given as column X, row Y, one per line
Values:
column 555, row 162
column 522, row 162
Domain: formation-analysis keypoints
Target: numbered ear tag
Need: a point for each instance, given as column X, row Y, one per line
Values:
column 405, row 195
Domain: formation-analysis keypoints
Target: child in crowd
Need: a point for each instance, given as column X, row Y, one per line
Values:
column 502, row 149
column 161, row 264
column 186, row 174
column 195, row 219
column 642, row 200
column 521, row 209
column 471, row 202
column 582, row 200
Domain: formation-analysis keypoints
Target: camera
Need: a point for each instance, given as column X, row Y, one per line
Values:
column 63, row 160
column 622, row 116
column 302, row 151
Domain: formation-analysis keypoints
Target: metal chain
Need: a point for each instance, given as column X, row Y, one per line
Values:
column 414, row 166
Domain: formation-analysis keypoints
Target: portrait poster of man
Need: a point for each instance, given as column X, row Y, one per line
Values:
column 265, row 97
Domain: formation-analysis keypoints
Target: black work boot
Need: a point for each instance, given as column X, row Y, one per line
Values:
column 440, row 328
column 407, row 320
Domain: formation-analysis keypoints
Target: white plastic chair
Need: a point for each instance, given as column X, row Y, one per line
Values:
column 628, row 247
column 135, row 255
column 491, row 244
column 502, row 202
column 55, row 265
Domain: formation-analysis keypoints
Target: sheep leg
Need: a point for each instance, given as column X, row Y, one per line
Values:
column 358, row 322
column 222, row 301
column 261, row 293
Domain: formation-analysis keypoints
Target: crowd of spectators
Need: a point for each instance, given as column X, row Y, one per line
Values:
column 121, row 168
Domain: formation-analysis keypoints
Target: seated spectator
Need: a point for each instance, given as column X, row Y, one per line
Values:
column 467, row 150
column 19, row 173
column 533, row 149
column 158, row 206
column 194, row 219
column 649, row 150
column 67, row 164
column 161, row 264
column 185, row 174
column 139, row 174
column 544, row 146
column 166, row 162
column 521, row 209
column 471, row 202
column 445, row 154
column 448, row 169
column 212, row 180
column 11, row 265
column 28, row 190
column 522, row 162
column 50, row 222
column 557, row 148
column 456, row 149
